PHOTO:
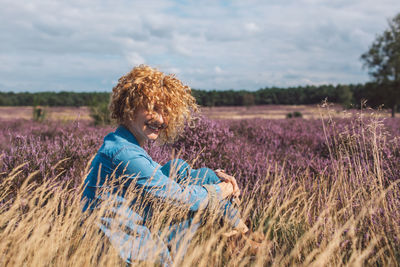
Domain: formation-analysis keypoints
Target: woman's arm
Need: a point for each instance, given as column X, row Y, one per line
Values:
column 226, row 189
column 142, row 171
column 229, row 179
column 188, row 176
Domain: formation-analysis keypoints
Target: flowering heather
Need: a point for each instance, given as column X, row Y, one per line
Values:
column 324, row 192
column 41, row 145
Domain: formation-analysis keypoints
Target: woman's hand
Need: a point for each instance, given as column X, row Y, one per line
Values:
column 226, row 189
column 229, row 179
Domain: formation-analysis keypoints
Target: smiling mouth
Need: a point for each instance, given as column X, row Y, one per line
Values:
column 156, row 127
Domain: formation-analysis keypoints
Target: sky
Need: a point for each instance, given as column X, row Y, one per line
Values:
column 86, row 45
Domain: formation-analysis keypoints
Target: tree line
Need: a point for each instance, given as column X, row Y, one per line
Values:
column 301, row 95
column 347, row 95
column 53, row 99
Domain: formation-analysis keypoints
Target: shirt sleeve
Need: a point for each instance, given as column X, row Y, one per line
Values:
column 148, row 177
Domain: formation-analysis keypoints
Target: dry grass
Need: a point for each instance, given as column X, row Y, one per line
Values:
column 346, row 220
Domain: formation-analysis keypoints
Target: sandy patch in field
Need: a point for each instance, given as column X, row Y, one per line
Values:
column 52, row 113
column 264, row 112
column 10, row 113
column 281, row 112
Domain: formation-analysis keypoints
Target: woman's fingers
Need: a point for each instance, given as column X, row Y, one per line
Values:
column 226, row 189
column 236, row 190
column 229, row 179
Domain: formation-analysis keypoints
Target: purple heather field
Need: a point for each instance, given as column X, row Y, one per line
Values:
column 249, row 148
column 340, row 162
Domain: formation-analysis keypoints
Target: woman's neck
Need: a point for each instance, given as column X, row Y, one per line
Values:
column 140, row 139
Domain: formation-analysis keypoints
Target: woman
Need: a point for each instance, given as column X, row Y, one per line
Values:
column 149, row 105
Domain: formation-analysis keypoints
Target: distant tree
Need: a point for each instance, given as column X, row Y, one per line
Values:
column 344, row 95
column 383, row 61
column 248, row 99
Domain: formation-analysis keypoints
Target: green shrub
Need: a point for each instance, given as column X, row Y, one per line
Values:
column 100, row 113
column 296, row 114
column 39, row 113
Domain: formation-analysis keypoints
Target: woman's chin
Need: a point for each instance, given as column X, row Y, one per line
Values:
column 152, row 136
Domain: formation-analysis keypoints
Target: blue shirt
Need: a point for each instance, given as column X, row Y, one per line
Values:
column 122, row 154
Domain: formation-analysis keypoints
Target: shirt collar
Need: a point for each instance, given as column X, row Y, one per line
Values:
column 125, row 133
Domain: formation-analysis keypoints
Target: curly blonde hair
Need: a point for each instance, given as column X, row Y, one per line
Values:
column 151, row 89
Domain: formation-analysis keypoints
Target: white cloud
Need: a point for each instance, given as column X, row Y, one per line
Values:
column 218, row 70
column 83, row 45
column 252, row 27
column 135, row 59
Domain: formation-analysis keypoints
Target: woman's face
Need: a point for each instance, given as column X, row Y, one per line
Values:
column 146, row 126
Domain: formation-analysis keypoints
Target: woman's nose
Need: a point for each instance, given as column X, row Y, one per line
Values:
column 159, row 118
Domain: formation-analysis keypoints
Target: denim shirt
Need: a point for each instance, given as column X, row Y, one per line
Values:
column 122, row 153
